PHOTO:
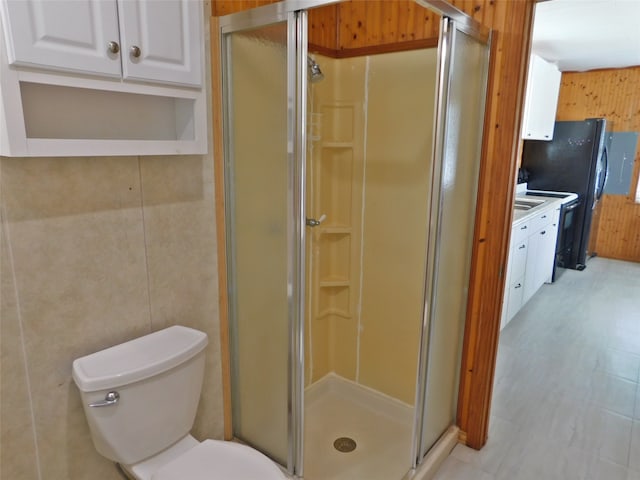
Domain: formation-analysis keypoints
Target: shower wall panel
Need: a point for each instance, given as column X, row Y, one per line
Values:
column 374, row 146
column 401, row 91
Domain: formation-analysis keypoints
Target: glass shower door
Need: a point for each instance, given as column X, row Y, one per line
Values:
column 463, row 72
column 263, row 171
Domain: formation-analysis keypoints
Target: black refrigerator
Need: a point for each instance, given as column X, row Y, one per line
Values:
column 574, row 161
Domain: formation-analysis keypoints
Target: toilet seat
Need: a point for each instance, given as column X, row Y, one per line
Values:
column 220, row 460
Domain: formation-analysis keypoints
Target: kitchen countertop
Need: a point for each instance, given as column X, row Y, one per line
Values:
column 521, row 216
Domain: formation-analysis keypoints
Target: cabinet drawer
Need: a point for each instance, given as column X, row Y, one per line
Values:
column 520, row 232
column 541, row 220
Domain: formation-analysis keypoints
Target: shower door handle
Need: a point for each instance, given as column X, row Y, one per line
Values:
column 312, row 222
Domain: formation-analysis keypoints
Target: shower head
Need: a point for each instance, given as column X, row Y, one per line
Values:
column 314, row 70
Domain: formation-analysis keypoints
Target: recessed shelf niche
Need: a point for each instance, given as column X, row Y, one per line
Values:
column 61, row 112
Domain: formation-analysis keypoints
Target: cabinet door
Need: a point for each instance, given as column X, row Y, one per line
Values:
column 161, row 40
column 531, row 275
column 515, row 281
column 516, row 300
column 68, row 35
column 547, row 253
column 541, row 100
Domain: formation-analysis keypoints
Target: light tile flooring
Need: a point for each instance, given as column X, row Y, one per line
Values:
column 382, row 431
column 566, row 401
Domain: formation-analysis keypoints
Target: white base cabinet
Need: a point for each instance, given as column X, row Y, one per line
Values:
column 531, row 259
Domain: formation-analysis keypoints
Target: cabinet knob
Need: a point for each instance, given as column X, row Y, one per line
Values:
column 113, row 47
column 519, row 285
column 135, row 51
column 543, row 232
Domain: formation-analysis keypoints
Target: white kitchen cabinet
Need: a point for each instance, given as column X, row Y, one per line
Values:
column 531, row 259
column 541, row 99
column 156, row 41
column 548, row 248
column 534, row 264
column 514, row 288
column 542, row 250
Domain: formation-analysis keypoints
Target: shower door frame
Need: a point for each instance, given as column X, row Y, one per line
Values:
column 294, row 13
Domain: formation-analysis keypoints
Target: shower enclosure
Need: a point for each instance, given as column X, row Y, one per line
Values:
column 350, row 189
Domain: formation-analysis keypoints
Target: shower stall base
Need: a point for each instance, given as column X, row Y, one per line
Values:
column 381, row 427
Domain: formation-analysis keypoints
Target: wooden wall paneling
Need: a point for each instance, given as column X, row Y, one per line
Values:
column 351, row 19
column 613, row 94
column 226, row 7
column 373, row 18
column 387, row 25
column 511, row 22
column 618, row 235
column 390, row 14
column 323, row 30
column 406, row 19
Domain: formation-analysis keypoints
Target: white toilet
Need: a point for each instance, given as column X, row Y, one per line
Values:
column 140, row 399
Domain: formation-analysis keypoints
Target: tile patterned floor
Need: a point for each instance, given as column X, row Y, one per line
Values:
column 566, row 401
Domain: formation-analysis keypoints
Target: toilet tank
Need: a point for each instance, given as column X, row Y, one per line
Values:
column 158, row 378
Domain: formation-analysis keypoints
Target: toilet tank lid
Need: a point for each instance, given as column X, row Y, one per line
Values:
column 138, row 359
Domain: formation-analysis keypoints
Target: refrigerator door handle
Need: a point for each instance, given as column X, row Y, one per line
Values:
column 605, row 173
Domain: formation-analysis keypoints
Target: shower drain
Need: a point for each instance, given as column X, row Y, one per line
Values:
column 344, row 444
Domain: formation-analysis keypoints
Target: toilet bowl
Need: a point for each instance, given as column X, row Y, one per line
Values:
column 140, row 399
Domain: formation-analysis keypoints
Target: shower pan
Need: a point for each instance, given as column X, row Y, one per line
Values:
column 267, row 75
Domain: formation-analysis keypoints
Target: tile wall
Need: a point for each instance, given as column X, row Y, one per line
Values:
column 96, row 251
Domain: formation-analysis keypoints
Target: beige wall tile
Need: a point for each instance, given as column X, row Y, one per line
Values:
column 18, row 459
column 81, row 277
column 181, row 254
column 89, row 276
column 38, row 188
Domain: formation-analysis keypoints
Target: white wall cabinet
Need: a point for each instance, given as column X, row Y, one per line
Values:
column 531, row 259
column 541, row 99
column 157, row 41
column 63, row 35
column 102, row 77
column 167, row 37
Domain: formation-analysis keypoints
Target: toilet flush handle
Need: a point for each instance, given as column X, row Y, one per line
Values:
column 110, row 398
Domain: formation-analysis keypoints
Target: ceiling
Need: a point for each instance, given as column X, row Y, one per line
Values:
column 580, row 35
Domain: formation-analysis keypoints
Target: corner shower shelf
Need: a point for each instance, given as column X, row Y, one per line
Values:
column 334, row 311
column 335, row 282
column 336, row 230
column 337, row 144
